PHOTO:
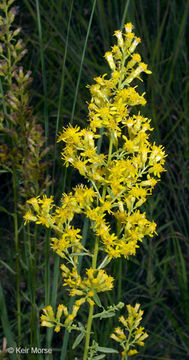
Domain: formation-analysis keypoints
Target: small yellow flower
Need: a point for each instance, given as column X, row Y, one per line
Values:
column 128, row 27
column 29, row 216
column 109, row 58
column 35, row 203
column 132, row 352
column 119, row 36
column 48, row 318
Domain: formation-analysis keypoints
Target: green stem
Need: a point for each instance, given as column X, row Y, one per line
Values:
column 88, row 332
column 90, row 317
column 43, row 69
column 94, row 263
column 8, row 47
column 33, row 256
column 17, row 258
column 110, row 149
column 108, row 162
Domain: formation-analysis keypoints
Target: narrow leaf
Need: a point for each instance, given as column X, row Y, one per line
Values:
column 107, row 350
column 78, row 339
column 97, row 300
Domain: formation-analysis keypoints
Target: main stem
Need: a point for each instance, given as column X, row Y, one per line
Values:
column 88, row 331
column 91, row 309
column 94, row 262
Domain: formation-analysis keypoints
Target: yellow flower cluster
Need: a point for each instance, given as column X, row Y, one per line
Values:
column 96, row 281
column 68, row 238
column 49, row 319
column 133, row 334
column 120, row 179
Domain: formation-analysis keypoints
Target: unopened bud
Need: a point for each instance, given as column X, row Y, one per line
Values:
column 134, row 44
column 119, row 37
column 17, row 31
column 110, row 60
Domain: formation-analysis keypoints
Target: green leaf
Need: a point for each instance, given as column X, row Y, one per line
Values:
column 3, row 209
column 99, row 357
column 107, row 350
column 79, row 254
column 103, row 315
column 107, row 315
column 5, row 324
column 3, row 171
column 104, row 263
column 97, row 300
column 7, row 267
column 78, row 339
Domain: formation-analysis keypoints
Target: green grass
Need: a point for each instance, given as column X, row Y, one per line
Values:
column 66, row 46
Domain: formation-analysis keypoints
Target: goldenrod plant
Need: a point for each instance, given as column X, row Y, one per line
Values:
column 116, row 184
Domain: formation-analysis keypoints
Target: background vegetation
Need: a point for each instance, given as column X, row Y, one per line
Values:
column 66, row 41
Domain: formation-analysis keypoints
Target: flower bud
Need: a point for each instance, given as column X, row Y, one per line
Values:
column 119, row 37
column 109, row 57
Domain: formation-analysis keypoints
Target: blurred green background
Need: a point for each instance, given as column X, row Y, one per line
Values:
column 66, row 42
